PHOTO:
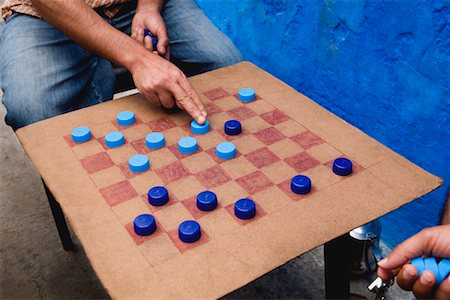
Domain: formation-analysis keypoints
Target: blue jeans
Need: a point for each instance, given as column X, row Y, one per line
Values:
column 44, row 73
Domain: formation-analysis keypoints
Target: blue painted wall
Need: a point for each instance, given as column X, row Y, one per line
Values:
column 384, row 66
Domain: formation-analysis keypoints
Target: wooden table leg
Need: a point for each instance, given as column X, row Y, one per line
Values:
column 60, row 221
column 337, row 268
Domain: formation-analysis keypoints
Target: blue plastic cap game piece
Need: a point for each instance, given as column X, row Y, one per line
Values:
column 431, row 265
column 301, row 184
column 246, row 95
column 114, row 139
column 206, row 201
column 245, row 209
column 232, row 127
column 125, row 118
column 342, row 166
column 81, row 134
column 154, row 39
column 189, row 231
column 144, row 224
column 139, row 163
column 418, row 264
column 226, row 150
column 155, row 140
column 158, row 196
column 196, row 128
column 444, row 270
column 187, row 145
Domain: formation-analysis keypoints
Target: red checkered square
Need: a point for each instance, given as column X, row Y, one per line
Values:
column 307, row 139
column 260, row 212
column 161, row 124
column 172, row 172
column 213, row 177
column 274, row 117
column 118, row 193
column 183, row 247
column 241, row 113
column 216, row 94
column 302, row 162
column 254, row 182
column 262, row 157
column 212, row 109
column 119, row 127
column 125, row 169
column 139, row 239
column 191, row 206
column 97, row 162
column 285, row 186
column 140, row 146
column 269, row 135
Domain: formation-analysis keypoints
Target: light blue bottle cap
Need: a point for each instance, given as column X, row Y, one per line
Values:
column 226, row 150
column 155, row 140
column 187, row 145
column 81, row 134
column 246, row 95
column 139, row 163
column 431, row 265
column 418, row 264
column 196, row 128
column 125, row 118
column 114, row 139
column 444, row 270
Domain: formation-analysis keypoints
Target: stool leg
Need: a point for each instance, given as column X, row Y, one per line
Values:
column 60, row 221
column 337, row 268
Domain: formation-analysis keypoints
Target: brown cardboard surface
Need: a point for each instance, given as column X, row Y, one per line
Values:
column 284, row 134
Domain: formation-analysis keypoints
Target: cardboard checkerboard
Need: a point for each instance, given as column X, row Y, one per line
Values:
column 284, row 134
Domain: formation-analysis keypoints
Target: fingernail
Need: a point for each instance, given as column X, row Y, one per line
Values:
column 382, row 262
column 201, row 119
column 407, row 274
column 425, row 279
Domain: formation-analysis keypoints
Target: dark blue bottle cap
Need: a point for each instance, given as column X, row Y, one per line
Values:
column 342, row 166
column 158, row 196
column 154, row 38
column 206, row 201
column 245, row 209
column 301, row 184
column 232, row 127
column 189, row 231
column 144, row 224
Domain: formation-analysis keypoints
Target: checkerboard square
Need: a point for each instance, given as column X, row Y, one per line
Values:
column 217, row 120
column 238, row 167
column 272, row 199
column 247, row 144
column 212, row 109
column 241, row 113
column 198, row 162
column 125, row 169
column 173, row 135
column 161, row 158
column 209, row 140
column 324, row 152
column 216, row 94
column 97, row 162
column 255, row 124
column 260, row 107
column 106, row 177
column 302, row 162
column 140, row 146
column 183, row 247
column 322, row 177
column 171, row 216
column 285, row 148
column 254, row 182
column 213, row 177
column 278, row 171
column 139, row 239
column 290, row 128
column 101, row 129
column 159, row 249
column 136, row 132
column 285, row 186
column 120, row 128
column 127, row 211
column 118, row 193
column 218, row 223
column 144, row 181
column 186, row 187
column 262, row 157
column 307, row 139
column 274, row 117
column 121, row 154
column 191, row 206
column 174, row 171
column 269, row 135
column 228, row 103
column 161, row 124
column 229, row 192
column 87, row 149
column 260, row 212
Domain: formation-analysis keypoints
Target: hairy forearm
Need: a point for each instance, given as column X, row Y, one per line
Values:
column 84, row 26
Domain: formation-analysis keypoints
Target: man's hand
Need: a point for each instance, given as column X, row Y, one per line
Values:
column 162, row 83
column 148, row 16
column 434, row 241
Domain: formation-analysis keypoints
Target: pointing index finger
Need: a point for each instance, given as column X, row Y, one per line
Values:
column 184, row 83
column 187, row 102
